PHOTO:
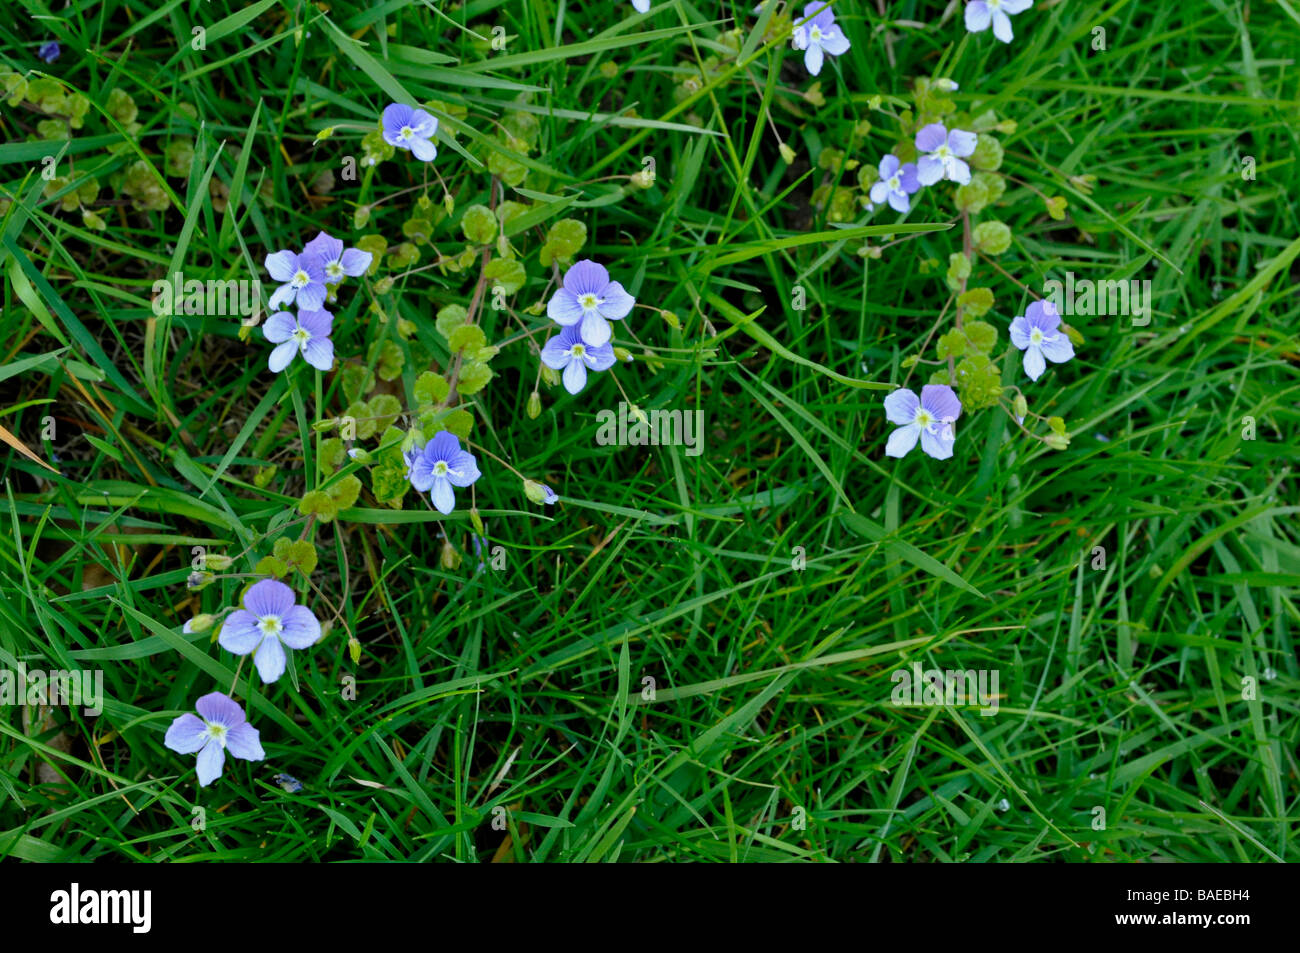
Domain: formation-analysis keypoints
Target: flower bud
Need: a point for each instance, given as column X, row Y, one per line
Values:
column 449, row 558
column 539, row 493
column 476, row 520
column 673, row 321
column 534, row 405
column 1020, row 406
column 623, row 354
column 216, row 562
column 787, row 154
column 1057, row 441
column 200, row 623
column 550, row 375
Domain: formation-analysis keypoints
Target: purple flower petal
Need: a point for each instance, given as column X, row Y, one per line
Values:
column 595, row 329
column 301, row 628
column 1034, row 362
column 268, row 597
column 444, row 499
column 908, row 179
column 935, row 445
column 931, row 137
column 961, row 142
column 279, row 327
column 282, row 265
column 563, row 308
column 901, row 407
column 1057, row 349
column 219, row 709
column 575, row 376
column 282, row 355
column 1002, row 26
column 283, row 296
column 813, row 58
column 941, row 401
column 395, row 117
column 356, row 262
column 555, row 354
column 421, row 475
column 311, row 296
column 899, row 201
column 324, row 247
column 929, row 170
column 600, row 357
column 617, row 303
column 269, row 659
column 424, row 150
column 902, row 440
column 888, row 165
column 244, row 742
column 462, row 468
column 423, row 124
column 586, row 277
column 1020, row 331
column 187, row 734
column 879, row 193
column 211, row 760
column 443, row 446
column 319, row 353
column 239, row 633
column 977, row 16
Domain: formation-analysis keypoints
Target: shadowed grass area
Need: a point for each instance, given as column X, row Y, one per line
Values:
column 689, row 657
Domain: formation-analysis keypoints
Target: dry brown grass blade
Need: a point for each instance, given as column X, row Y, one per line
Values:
column 21, row 447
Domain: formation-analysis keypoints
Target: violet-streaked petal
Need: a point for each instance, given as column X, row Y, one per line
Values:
column 935, row 445
column 941, row 401
column 282, row 265
column 239, row 633
column 929, row 170
column 617, row 303
column 443, row 446
column 282, row 296
column 220, row 709
column 1057, row 348
column 977, row 16
column 1034, row 362
column 902, row 440
column 961, row 142
column 243, row 741
column 595, row 329
column 268, row 597
column 813, row 58
column 211, row 760
column 462, row 469
column 600, row 357
column 931, row 137
column 1020, row 331
column 444, row 498
column 282, row 355
column 319, row 353
column 555, row 355
column 424, row 149
column 301, row 628
column 586, row 277
column 395, row 117
column 318, row 324
column 356, row 262
column 575, row 376
column 269, row 659
column 888, row 165
column 311, row 296
column 901, row 407
column 279, row 327
column 186, row 735
column 563, row 308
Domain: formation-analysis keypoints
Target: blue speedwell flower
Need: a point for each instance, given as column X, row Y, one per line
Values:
column 221, row 728
column 439, row 466
column 946, row 150
column 571, row 352
column 818, row 35
column 979, row 13
column 590, row 298
column 1037, row 332
column 269, row 622
column 49, row 51
column 334, row 261
column 303, row 276
column 408, row 128
column 641, row 6
column 897, row 184
column 308, row 335
column 930, row 419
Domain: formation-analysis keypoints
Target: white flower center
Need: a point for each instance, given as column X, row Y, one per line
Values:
column 407, row 132
column 300, row 278
column 588, row 301
column 302, row 336
column 217, row 733
column 815, row 35
column 924, row 418
column 1035, row 336
column 943, row 152
column 334, row 269
column 270, row 625
column 440, row 468
column 995, row 5
column 894, row 184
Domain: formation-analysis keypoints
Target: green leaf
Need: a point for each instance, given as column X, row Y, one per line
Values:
column 431, row 388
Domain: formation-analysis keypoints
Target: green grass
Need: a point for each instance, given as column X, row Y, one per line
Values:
column 770, row 586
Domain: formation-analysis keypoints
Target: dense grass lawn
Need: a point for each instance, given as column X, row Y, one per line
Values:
column 498, row 420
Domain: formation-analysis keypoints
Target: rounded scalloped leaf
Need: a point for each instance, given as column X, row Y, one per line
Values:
column 506, row 272
column 450, row 317
column 468, row 338
column 431, row 388
column 474, row 376
column 479, row 225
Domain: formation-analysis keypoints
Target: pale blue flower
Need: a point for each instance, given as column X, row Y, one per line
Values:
column 221, row 728
column 818, row 35
column 440, row 465
column 930, row 419
column 269, row 622
column 1037, row 332
column 980, row 13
